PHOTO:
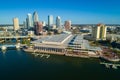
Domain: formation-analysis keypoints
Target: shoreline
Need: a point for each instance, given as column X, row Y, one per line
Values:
column 110, row 59
column 62, row 54
column 73, row 55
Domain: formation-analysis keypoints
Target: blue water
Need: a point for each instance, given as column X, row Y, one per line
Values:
column 19, row 65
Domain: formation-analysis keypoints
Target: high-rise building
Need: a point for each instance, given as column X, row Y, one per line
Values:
column 50, row 21
column 24, row 24
column 35, row 17
column 99, row 32
column 29, row 21
column 38, row 28
column 58, row 22
column 67, row 25
column 15, row 24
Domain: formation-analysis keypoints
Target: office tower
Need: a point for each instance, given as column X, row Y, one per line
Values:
column 24, row 24
column 99, row 32
column 50, row 21
column 58, row 22
column 38, row 28
column 15, row 24
column 67, row 25
column 29, row 21
column 35, row 17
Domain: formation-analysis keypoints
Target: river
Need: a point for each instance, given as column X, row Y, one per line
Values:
column 19, row 65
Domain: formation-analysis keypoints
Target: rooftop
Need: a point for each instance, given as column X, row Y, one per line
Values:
column 57, row 39
column 65, row 40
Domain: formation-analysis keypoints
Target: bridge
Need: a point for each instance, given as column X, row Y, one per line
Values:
column 8, row 46
column 16, row 37
column 108, row 65
column 9, row 37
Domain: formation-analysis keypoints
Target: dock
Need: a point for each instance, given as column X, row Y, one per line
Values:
column 40, row 54
column 110, row 65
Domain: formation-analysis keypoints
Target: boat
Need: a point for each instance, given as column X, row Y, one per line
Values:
column 18, row 46
column 48, row 56
column 111, row 65
column 114, row 67
column 3, row 48
column 107, row 66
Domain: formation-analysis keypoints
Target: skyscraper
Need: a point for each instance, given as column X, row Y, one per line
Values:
column 29, row 21
column 38, row 28
column 67, row 25
column 99, row 32
column 35, row 17
column 58, row 22
column 15, row 24
column 24, row 24
column 50, row 21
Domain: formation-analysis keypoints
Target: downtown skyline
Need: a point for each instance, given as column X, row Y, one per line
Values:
column 78, row 11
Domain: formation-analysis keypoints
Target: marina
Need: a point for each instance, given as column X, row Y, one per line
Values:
column 110, row 65
column 41, row 55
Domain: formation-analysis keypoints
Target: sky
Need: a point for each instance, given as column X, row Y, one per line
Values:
column 78, row 11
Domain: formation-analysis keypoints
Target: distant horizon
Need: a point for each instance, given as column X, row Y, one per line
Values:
column 78, row 11
column 71, row 24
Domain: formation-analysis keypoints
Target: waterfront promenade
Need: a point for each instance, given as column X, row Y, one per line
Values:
column 73, row 54
column 65, row 53
column 42, row 51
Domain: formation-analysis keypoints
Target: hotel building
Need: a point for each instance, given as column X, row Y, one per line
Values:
column 15, row 24
column 38, row 26
column 99, row 32
column 67, row 25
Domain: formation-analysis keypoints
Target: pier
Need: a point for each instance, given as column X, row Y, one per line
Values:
column 40, row 54
column 110, row 65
